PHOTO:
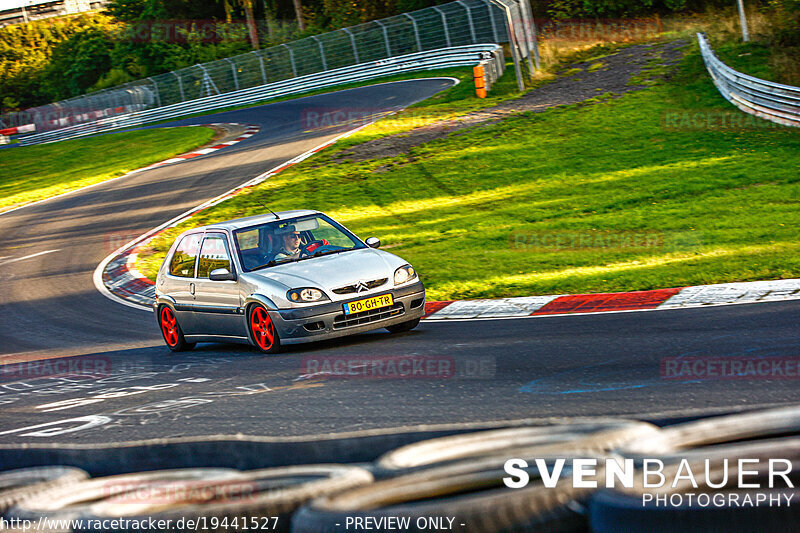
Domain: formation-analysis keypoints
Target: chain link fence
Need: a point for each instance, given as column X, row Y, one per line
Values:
column 459, row 23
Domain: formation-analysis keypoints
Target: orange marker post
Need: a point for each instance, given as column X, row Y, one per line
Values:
column 480, row 82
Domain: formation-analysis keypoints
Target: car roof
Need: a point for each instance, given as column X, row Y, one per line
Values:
column 239, row 223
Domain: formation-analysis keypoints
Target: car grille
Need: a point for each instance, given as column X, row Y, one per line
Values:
column 350, row 289
column 366, row 317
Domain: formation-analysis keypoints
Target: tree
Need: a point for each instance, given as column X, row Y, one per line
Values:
column 247, row 5
column 298, row 9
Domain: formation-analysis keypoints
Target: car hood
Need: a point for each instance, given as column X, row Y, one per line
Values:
column 333, row 271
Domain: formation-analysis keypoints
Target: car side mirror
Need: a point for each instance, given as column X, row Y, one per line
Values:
column 221, row 274
column 373, row 242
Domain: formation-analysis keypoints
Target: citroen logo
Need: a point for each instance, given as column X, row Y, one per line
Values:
column 361, row 286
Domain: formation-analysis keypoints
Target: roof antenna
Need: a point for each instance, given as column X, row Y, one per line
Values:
column 271, row 211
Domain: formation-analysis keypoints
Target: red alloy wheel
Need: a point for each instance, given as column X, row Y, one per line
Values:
column 262, row 328
column 169, row 327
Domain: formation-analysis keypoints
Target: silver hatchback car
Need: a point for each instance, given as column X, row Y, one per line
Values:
column 278, row 279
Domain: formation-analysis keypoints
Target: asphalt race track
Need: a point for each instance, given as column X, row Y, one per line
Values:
column 602, row 364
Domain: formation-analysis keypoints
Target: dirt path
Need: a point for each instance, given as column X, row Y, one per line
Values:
column 576, row 83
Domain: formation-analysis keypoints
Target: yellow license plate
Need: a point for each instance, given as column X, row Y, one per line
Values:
column 367, row 304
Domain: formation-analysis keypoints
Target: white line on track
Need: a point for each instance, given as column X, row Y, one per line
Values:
column 28, row 256
column 84, row 188
column 97, row 277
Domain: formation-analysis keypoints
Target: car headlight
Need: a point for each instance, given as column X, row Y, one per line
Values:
column 306, row 294
column 403, row 274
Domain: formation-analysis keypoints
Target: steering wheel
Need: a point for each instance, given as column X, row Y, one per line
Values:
column 313, row 245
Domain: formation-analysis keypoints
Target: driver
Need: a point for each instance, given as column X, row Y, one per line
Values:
column 291, row 243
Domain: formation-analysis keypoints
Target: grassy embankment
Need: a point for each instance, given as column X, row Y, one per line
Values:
column 718, row 204
column 44, row 171
column 32, row 173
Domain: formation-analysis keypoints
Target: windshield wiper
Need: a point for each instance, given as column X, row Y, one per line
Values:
column 327, row 252
column 265, row 265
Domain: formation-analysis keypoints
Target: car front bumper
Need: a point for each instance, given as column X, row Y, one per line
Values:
column 327, row 321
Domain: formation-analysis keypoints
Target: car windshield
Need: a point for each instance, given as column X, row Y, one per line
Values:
column 295, row 239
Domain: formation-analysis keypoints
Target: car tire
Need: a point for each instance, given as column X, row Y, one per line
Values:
column 692, row 440
column 171, row 330
column 17, row 485
column 573, row 436
column 624, row 508
column 470, row 493
column 262, row 330
column 253, row 495
column 403, row 326
column 68, row 502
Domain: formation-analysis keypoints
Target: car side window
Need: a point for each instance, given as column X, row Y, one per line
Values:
column 213, row 255
column 185, row 256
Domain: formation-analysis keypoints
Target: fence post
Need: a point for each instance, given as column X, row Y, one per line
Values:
column 155, row 86
column 444, row 23
column 233, row 71
column 321, row 52
column 469, row 19
column 416, row 31
column 513, row 42
column 353, row 42
column 291, row 59
column 180, row 85
column 743, row 21
column 385, row 38
column 208, row 81
column 536, row 59
column 530, row 30
column 490, row 7
column 261, row 62
column 112, row 103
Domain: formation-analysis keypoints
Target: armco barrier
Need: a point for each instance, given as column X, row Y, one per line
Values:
column 441, row 58
column 765, row 99
column 452, row 24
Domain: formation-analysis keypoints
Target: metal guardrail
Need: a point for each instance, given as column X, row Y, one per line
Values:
column 765, row 99
column 459, row 23
column 442, row 58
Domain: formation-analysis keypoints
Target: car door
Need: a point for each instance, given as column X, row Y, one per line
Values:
column 179, row 282
column 216, row 303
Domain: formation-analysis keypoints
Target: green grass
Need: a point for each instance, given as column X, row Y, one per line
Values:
column 41, row 171
column 721, row 205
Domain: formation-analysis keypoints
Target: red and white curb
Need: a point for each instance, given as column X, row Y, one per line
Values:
column 116, row 277
column 695, row 296
column 251, row 129
column 25, row 128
